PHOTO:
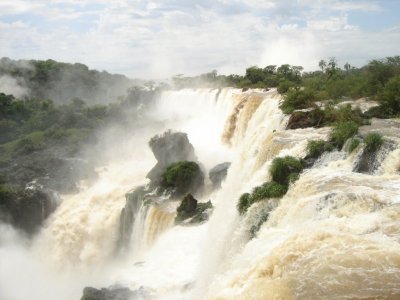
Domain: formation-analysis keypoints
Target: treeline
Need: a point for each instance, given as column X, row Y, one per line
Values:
column 255, row 77
column 379, row 80
column 60, row 81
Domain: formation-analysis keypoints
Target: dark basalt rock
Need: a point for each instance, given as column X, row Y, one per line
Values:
column 304, row 119
column 134, row 200
column 218, row 174
column 114, row 293
column 192, row 212
column 370, row 161
column 169, row 148
column 26, row 209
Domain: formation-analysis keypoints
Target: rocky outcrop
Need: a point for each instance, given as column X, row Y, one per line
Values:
column 218, row 174
column 169, row 148
column 304, row 119
column 114, row 293
column 192, row 212
column 182, row 177
column 134, row 200
column 370, row 161
column 26, row 209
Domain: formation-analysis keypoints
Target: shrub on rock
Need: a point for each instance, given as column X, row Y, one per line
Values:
column 315, row 148
column 373, row 141
column 190, row 208
column 183, row 177
column 285, row 169
column 266, row 191
column 343, row 131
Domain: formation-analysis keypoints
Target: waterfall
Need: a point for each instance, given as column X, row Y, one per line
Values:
column 334, row 235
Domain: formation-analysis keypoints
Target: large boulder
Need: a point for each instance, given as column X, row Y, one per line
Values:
column 26, row 208
column 169, row 148
column 218, row 174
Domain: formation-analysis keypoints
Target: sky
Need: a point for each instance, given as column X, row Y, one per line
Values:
column 158, row 39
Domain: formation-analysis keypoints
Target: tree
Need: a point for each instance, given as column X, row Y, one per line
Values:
column 322, row 65
column 347, row 67
column 255, row 74
column 390, row 97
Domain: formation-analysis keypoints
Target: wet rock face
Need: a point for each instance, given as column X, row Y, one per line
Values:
column 218, row 174
column 113, row 293
column 169, row 148
column 26, row 209
column 192, row 212
column 304, row 119
column 134, row 201
column 370, row 161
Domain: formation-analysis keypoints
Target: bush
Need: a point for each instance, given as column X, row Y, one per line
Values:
column 243, row 203
column 297, row 99
column 390, row 97
column 342, row 132
column 342, row 114
column 373, row 141
column 183, row 176
column 284, row 86
column 354, row 143
column 285, row 169
column 316, row 147
column 266, row 191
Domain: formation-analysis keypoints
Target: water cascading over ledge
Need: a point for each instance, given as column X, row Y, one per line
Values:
column 334, row 235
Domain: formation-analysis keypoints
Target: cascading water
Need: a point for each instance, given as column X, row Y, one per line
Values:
column 334, row 235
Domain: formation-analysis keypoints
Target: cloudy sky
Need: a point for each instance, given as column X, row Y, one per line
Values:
column 156, row 39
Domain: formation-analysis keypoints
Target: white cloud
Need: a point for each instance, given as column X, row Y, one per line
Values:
column 161, row 38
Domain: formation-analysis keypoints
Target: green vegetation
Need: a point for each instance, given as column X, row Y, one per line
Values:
column 183, row 176
column 61, row 82
column 354, row 143
column 265, row 191
column 373, row 141
column 297, row 99
column 190, row 208
column 342, row 132
column 34, row 125
column 283, row 77
column 286, row 169
column 243, row 203
column 378, row 80
column 180, row 172
column 316, row 147
column 390, row 97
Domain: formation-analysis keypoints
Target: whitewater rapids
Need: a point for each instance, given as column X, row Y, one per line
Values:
column 334, row 235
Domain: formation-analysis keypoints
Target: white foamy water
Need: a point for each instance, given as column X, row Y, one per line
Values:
column 334, row 235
